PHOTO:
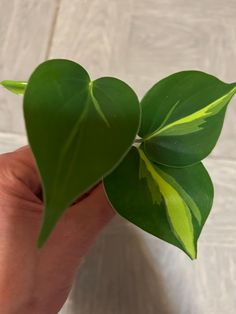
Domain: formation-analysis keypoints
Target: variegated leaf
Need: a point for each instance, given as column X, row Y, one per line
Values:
column 182, row 117
column 171, row 203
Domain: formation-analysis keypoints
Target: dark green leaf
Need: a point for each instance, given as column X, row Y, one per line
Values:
column 182, row 117
column 170, row 203
column 78, row 131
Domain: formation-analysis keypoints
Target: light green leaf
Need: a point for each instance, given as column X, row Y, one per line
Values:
column 78, row 131
column 170, row 203
column 16, row 87
column 182, row 117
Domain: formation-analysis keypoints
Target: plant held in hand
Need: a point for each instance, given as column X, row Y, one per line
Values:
column 83, row 131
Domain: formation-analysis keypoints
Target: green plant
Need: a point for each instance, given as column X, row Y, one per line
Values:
column 82, row 131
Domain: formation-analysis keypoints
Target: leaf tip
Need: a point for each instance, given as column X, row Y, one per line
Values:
column 192, row 253
column 44, row 234
column 40, row 241
column 16, row 87
column 49, row 222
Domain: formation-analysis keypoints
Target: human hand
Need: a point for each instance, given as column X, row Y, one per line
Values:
column 32, row 280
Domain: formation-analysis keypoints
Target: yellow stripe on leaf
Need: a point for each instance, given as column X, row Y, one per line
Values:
column 194, row 122
column 178, row 212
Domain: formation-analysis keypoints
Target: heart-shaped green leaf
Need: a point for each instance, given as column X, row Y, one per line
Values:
column 182, row 117
column 78, row 131
column 170, row 203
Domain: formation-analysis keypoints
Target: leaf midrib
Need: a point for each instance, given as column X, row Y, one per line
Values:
column 96, row 104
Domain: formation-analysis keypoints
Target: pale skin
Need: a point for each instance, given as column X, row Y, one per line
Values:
column 32, row 280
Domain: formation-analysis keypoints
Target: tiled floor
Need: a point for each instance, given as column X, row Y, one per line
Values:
column 128, row 271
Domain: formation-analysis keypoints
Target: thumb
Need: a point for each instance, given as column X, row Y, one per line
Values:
column 26, row 168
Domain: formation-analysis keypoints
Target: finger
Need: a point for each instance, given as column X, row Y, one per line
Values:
column 94, row 207
column 85, row 195
column 22, row 148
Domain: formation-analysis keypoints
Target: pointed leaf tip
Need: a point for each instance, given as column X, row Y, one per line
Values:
column 16, row 87
column 50, row 219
